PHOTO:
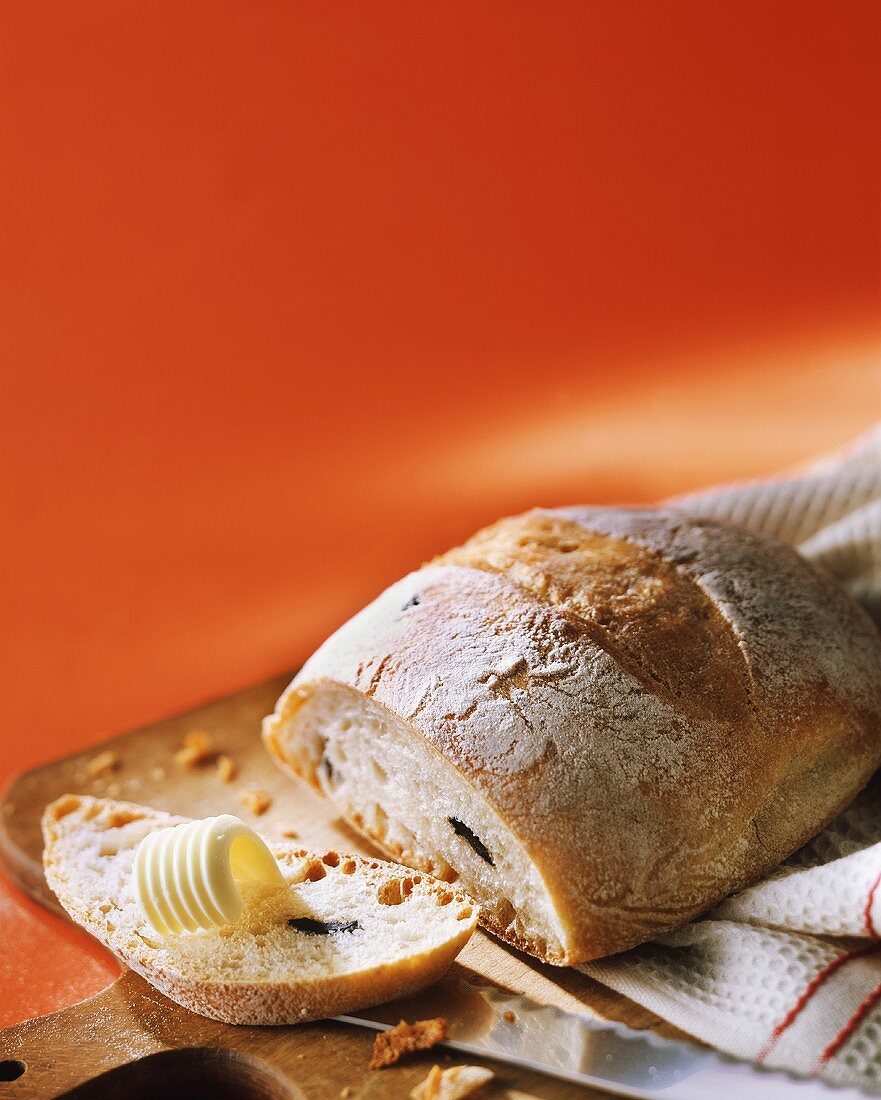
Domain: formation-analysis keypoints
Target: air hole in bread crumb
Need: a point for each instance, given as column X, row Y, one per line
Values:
column 505, row 913
column 124, row 817
column 331, row 859
column 394, row 892
column 444, row 897
column 314, row 871
column 464, row 915
column 349, row 867
column 65, row 806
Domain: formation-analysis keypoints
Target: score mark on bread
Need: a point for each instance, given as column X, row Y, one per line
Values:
column 550, row 714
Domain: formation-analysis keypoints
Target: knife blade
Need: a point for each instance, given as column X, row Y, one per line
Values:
column 489, row 1023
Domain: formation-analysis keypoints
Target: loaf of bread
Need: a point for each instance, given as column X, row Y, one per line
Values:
column 340, row 933
column 598, row 722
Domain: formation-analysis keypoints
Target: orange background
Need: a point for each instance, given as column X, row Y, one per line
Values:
column 294, row 295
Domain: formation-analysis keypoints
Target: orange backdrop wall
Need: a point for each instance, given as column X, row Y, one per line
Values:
column 294, row 295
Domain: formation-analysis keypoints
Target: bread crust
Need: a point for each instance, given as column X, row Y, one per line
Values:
column 661, row 708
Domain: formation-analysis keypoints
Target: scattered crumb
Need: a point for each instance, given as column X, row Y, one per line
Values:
column 158, row 775
column 509, row 1015
column 291, row 834
column 257, row 801
column 390, row 1046
column 197, row 749
column 105, row 763
column 452, row 1084
column 300, row 1057
column 428, row 1089
column 227, row 768
column 346, row 1092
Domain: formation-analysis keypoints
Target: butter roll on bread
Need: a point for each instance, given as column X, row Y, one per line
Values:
column 598, row 722
column 339, row 933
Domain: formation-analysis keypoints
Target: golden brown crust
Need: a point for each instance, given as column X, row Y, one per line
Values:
column 660, row 708
column 650, row 616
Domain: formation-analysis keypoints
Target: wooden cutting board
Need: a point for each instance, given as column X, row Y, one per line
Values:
column 130, row 1041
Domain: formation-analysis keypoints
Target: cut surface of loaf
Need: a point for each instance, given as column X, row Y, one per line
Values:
column 365, row 930
column 599, row 722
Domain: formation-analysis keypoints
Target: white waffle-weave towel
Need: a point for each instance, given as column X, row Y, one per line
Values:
column 788, row 972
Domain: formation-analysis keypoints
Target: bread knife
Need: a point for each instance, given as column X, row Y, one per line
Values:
column 489, row 1023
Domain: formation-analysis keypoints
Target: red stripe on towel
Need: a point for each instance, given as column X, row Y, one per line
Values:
column 867, row 912
column 849, row 1028
column 809, row 990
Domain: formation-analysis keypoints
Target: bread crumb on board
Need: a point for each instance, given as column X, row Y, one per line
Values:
column 346, row 1092
column 390, row 1046
column 452, row 1084
column 255, row 800
column 227, row 768
column 105, row 763
column 509, row 1015
column 196, row 750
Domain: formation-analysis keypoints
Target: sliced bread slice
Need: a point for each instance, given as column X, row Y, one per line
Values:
column 343, row 932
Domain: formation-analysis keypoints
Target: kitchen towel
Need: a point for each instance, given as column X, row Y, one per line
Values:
column 787, row 973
